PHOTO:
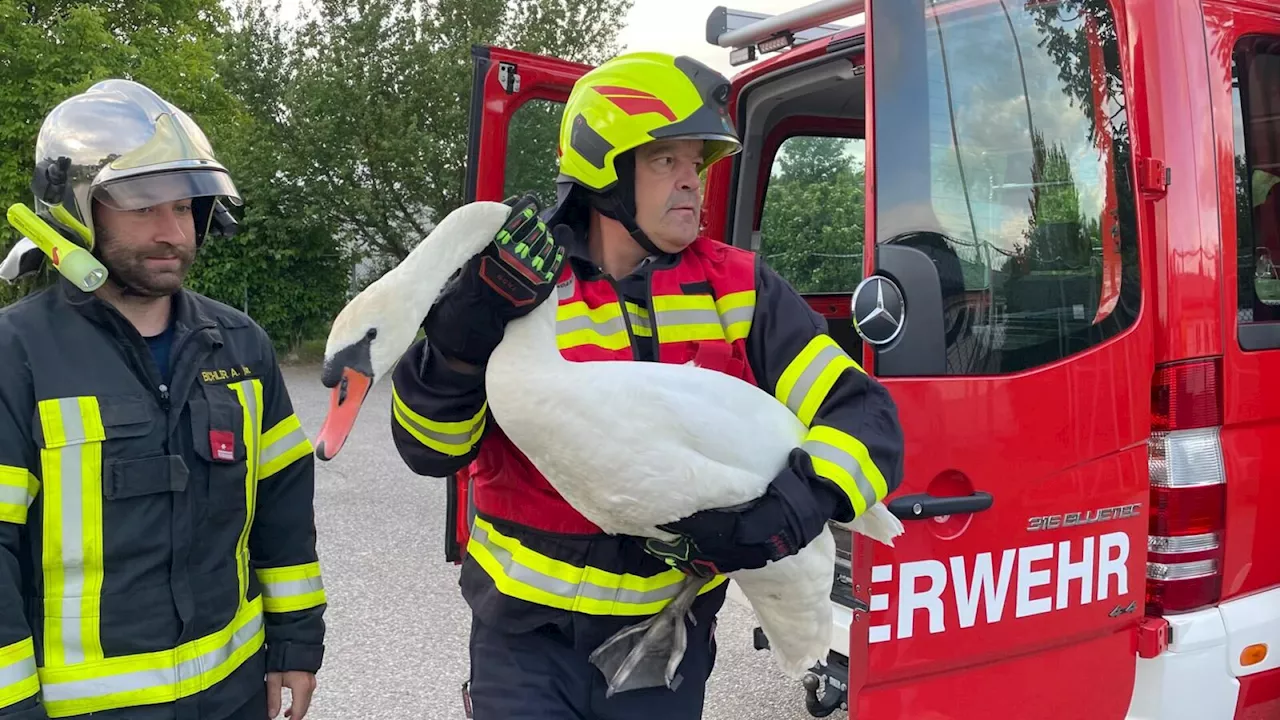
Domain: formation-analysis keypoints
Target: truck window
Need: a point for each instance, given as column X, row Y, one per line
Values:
column 1023, row 198
column 812, row 219
column 532, row 164
column 1255, row 91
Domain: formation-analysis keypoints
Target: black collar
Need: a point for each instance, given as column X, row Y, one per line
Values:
column 187, row 314
column 579, row 251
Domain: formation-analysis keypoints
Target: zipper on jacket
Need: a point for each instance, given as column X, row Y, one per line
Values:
column 626, row 317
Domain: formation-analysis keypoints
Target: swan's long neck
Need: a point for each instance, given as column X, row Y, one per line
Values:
column 421, row 276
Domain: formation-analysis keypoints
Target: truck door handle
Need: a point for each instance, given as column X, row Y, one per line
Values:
column 918, row 507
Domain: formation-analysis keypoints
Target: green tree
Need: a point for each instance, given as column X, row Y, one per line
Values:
column 53, row 50
column 1068, row 30
column 814, row 215
column 284, row 267
column 381, row 103
column 1055, row 238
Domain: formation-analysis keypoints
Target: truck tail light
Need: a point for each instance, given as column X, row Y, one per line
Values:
column 1188, row 488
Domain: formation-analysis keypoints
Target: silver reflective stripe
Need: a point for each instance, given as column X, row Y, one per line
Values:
column 463, row 438
column 805, row 382
column 564, row 290
column 162, row 677
column 639, row 322
column 836, row 456
column 14, row 495
column 292, row 588
column 564, row 588
column 583, row 322
column 11, row 675
column 737, row 315
column 667, row 318
column 281, row 446
column 72, row 427
column 72, row 490
column 251, row 399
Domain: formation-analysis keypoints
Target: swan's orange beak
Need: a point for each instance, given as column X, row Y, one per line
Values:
column 350, row 373
column 344, row 406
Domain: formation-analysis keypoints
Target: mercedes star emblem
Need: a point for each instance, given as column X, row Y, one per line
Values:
column 878, row 310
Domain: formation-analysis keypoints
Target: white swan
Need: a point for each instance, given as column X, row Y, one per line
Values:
column 695, row 439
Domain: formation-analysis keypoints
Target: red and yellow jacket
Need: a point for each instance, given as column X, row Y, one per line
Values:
column 718, row 305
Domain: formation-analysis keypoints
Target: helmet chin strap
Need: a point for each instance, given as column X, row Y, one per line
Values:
column 619, row 201
column 612, row 206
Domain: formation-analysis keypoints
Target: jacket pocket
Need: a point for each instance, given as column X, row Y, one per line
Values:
column 123, row 479
column 218, row 421
column 67, row 421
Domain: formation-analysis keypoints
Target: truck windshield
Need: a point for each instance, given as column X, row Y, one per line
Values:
column 1001, row 149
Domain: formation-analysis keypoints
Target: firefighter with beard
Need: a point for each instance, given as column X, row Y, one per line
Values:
column 157, row 536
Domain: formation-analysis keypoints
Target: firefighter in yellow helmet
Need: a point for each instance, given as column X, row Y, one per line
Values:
column 157, row 542
column 545, row 585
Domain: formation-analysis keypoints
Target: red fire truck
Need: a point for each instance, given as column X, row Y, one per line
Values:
column 1066, row 283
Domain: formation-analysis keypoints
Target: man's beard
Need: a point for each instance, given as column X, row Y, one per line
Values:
column 129, row 270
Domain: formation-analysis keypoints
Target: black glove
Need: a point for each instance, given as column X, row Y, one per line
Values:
column 512, row 276
column 790, row 514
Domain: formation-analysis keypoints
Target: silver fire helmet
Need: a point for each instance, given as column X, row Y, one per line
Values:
column 123, row 145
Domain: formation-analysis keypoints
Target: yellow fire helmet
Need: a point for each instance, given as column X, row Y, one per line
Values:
column 634, row 99
column 123, row 145
column 624, row 103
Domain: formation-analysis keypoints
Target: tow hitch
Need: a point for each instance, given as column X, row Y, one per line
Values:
column 826, row 689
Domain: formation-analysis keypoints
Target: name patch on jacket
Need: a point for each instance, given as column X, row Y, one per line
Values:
column 226, row 375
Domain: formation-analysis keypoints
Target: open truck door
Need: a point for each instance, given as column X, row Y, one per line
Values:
column 516, row 102
column 1005, row 308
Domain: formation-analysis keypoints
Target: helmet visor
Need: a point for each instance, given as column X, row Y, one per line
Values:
column 135, row 193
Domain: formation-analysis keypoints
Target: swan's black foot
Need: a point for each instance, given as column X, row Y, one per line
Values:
column 648, row 653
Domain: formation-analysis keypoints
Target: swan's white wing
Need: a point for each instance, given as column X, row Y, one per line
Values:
column 719, row 416
column 654, row 443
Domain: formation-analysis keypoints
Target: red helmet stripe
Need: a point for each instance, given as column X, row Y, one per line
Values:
column 636, row 102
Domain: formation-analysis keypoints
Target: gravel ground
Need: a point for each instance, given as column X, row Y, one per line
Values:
column 397, row 645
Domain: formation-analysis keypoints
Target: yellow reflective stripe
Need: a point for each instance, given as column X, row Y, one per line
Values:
column 736, row 312
column 249, row 393
column 454, row 438
column 296, row 587
column 281, row 446
column 18, row 678
column 808, row 378
column 672, row 303
column 71, row 559
column 577, row 325
column 525, row 574
column 687, row 318
column 18, row 489
column 579, row 309
column 156, row 677
column 641, row 324
column 844, row 460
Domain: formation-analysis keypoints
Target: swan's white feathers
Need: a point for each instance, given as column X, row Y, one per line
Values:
column 629, row 445
column 396, row 303
column 361, row 314
column 685, row 439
